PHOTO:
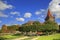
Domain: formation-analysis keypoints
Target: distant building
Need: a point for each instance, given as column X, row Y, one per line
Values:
column 49, row 17
column 4, row 29
column 9, row 29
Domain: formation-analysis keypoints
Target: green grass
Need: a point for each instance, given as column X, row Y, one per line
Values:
column 29, row 38
column 47, row 37
column 9, row 36
column 6, row 37
column 50, row 37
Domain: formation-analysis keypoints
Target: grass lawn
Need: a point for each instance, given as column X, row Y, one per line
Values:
column 50, row 37
column 6, row 37
column 27, row 38
column 30, row 38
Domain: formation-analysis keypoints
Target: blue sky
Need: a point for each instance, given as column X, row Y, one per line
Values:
column 21, row 11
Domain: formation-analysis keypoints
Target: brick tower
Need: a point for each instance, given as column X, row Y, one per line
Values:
column 4, row 29
column 49, row 17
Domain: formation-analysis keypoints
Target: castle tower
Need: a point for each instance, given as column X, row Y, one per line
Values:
column 49, row 17
column 4, row 28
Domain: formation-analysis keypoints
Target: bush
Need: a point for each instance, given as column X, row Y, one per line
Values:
column 1, row 38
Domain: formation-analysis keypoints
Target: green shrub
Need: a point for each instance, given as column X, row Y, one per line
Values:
column 1, row 38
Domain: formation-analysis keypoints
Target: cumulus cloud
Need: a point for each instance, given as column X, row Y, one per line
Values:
column 15, row 13
column 20, row 19
column 39, row 12
column 27, row 15
column 54, row 6
column 42, row 10
column 4, row 6
column 58, row 23
column 3, row 15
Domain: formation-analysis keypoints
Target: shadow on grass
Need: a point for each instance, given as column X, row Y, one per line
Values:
column 18, row 34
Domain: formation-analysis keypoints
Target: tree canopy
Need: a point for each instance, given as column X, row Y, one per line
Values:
column 37, row 26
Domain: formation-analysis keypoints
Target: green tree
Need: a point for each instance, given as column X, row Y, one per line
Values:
column 51, row 26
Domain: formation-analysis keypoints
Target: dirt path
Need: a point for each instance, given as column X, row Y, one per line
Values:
column 35, row 38
column 20, row 38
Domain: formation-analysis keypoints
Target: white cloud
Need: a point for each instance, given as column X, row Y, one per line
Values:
column 58, row 23
column 3, row 15
column 39, row 12
column 27, row 15
column 42, row 10
column 0, row 21
column 20, row 19
column 15, row 13
column 54, row 6
column 4, row 6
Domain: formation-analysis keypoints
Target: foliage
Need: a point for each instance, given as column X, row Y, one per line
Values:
column 0, row 31
column 1, row 38
column 48, row 26
column 51, row 26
